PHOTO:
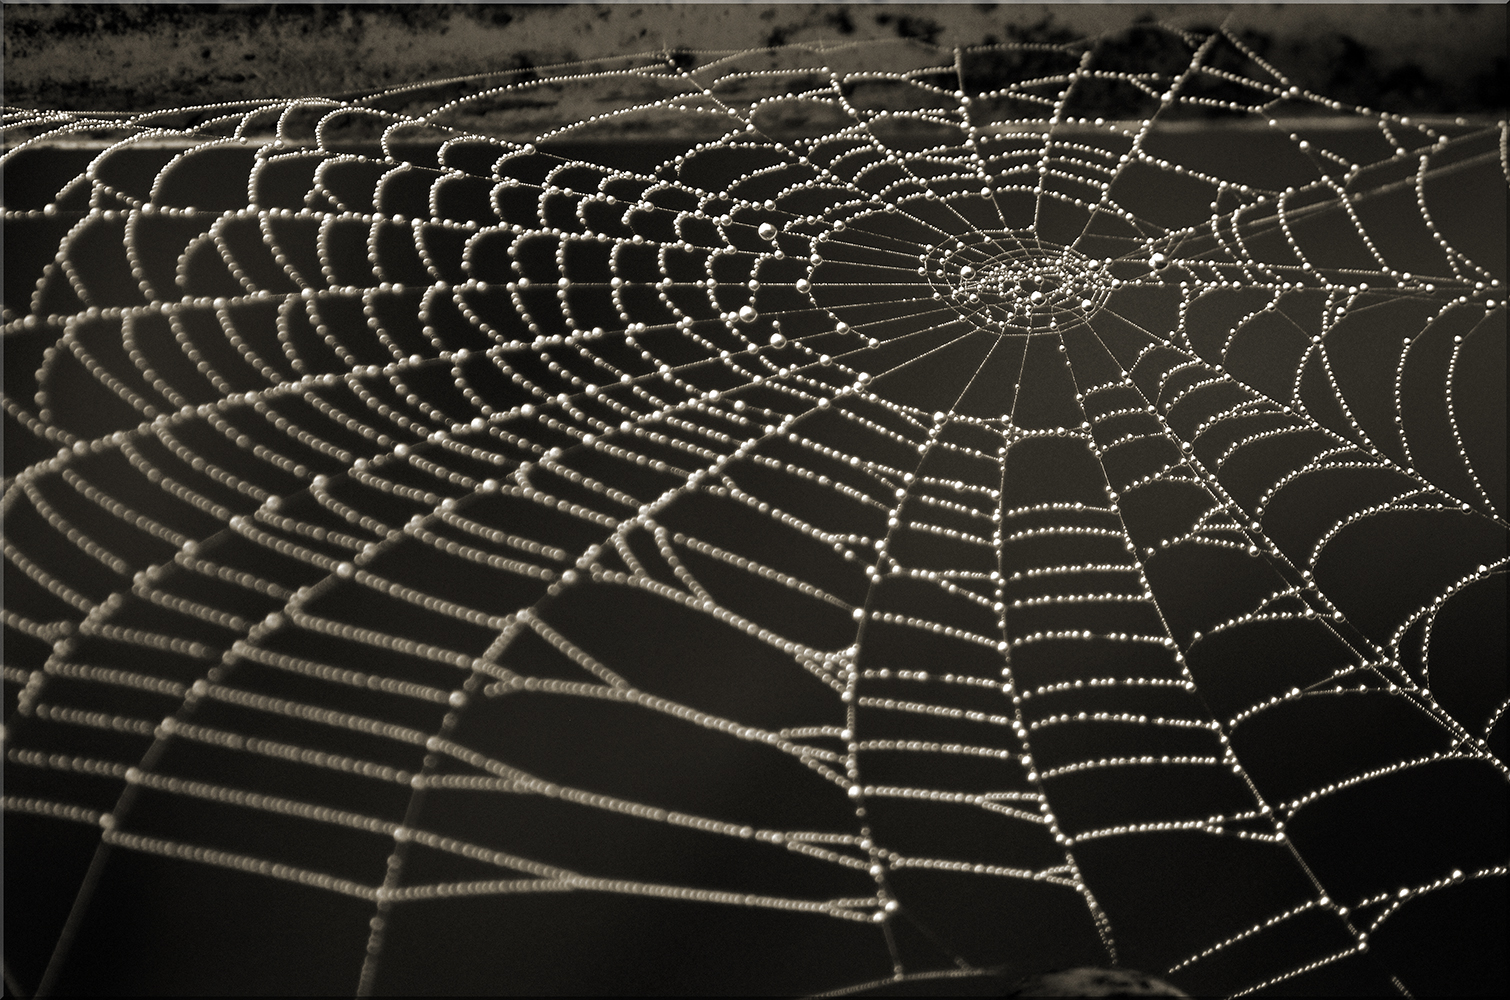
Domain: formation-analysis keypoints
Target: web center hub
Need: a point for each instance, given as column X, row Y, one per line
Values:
column 1016, row 283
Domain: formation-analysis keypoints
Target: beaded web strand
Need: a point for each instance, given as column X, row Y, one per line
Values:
column 828, row 514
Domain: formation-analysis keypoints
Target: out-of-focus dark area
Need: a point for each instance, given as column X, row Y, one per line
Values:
column 1406, row 58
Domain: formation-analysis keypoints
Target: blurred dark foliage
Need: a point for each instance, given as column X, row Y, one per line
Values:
column 223, row 52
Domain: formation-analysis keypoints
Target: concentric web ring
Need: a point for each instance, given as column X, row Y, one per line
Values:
column 940, row 513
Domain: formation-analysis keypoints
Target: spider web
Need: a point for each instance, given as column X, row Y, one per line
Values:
column 914, row 514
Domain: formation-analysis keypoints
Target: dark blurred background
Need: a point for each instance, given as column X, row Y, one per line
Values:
column 1406, row 58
